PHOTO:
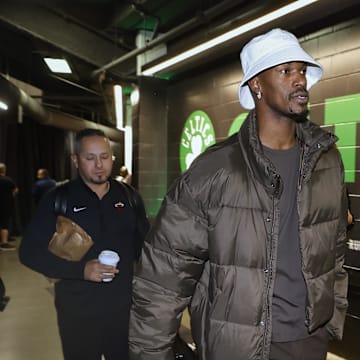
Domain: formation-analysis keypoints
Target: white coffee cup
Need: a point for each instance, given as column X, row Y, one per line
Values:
column 108, row 257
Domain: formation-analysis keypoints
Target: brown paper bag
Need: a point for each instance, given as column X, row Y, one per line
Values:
column 70, row 241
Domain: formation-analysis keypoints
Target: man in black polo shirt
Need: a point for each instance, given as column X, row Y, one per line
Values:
column 93, row 315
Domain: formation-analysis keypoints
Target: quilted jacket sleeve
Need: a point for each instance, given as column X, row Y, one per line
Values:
column 336, row 324
column 171, row 264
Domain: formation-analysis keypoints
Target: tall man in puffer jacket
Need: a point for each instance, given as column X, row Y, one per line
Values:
column 252, row 237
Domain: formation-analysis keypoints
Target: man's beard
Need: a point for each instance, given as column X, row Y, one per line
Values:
column 298, row 117
column 99, row 180
column 302, row 115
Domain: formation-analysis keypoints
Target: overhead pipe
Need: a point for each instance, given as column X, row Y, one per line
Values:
column 73, row 123
column 15, row 95
column 185, row 27
column 36, row 111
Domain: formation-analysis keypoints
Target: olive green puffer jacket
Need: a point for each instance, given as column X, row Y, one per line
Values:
column 213, row 247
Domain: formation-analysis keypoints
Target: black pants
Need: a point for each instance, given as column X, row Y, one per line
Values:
column 313, row 347
column 88, row 336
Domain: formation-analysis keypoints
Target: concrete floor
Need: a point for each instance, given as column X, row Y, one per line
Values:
column 28, row 329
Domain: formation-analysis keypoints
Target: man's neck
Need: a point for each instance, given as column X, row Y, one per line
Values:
column 277, row 134
column 100, row 189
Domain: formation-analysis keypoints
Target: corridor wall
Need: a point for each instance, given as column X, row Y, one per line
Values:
column 335, row 105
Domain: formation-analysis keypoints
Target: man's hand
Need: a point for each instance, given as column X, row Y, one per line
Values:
column 95, row 271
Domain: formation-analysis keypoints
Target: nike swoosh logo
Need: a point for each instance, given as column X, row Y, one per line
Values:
column 119, row 204
column 77, row 209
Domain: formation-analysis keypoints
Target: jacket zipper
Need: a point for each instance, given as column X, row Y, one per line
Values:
column 301, row 172
column 269, row 280
column 300, row 183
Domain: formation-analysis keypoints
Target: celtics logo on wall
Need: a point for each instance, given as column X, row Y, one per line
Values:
column 197, row 135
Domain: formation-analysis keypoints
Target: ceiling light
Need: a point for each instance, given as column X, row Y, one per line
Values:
column 294, row 6
column 118, row 100
column 135, row 96
column 3, row 105
column 58, row 65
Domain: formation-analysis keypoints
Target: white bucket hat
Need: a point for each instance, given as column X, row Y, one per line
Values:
column 268, row 50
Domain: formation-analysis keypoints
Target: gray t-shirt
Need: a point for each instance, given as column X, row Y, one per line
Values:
column 289, row 298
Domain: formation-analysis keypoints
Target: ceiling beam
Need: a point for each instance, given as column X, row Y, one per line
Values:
column 186, row 27
column 60, row 32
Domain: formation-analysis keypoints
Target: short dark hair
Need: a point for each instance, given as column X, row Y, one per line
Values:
column 44, row 171
column 86, row 133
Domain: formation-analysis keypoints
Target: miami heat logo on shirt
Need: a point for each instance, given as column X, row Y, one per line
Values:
column 119, row 206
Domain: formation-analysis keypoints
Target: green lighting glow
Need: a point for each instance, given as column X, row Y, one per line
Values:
column 344, row 113
column 236, row 124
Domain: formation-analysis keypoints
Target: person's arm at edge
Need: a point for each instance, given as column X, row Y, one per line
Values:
column 336, row 324
column 142, row 225
column 33, row 250
column 167, row 273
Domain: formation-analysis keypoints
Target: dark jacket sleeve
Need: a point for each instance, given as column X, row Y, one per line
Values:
column 336, row 324
column 33, row 251
column 142, row 225
column 170, row 265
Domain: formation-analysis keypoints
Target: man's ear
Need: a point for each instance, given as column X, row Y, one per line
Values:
column 254, row 85
column 74, row 159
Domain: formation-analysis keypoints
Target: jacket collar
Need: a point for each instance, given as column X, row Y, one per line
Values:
column 312, row 139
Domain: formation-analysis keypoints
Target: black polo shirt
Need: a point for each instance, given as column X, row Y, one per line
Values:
column 111, row 223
